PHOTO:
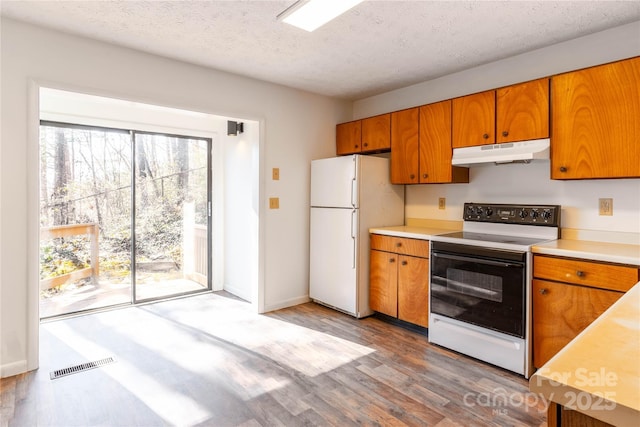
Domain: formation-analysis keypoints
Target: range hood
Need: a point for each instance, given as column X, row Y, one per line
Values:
column 510, row 152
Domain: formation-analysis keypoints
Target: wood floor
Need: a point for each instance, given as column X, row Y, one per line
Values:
column 209, row 360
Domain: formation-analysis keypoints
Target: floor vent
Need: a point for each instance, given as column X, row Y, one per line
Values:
column 82, row 367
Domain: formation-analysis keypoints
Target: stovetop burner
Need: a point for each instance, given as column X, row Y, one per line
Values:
column 493, row 238
column 506, row 226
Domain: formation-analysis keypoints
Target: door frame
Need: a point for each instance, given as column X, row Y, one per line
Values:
column 32, row 333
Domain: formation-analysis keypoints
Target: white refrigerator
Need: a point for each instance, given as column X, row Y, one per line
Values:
column 349, row 195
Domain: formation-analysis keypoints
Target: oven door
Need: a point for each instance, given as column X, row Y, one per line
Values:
column 478, row 285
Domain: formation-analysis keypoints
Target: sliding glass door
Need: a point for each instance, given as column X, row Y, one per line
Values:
column 124, row 217
column 171, row 215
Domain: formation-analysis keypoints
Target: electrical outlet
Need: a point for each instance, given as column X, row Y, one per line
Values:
column 275, row 174
column 605, row 206
column 442, row 203
column 274, row 203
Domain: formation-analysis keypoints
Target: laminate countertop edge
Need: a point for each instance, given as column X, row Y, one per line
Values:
column 411, row 232
column 598, row 372
column 595, row 251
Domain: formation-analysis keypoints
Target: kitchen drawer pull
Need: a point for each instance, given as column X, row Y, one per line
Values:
column 580, row 273
column 399, row 244
column 543, row 291
column 563, row 168
column 392, row 260
column 404, row 263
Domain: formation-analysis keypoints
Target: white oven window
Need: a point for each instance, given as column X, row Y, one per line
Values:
column 479, row 285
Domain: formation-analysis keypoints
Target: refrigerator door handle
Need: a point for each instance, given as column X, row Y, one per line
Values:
column 354, row 231
column 354, row 186
column 354, row 192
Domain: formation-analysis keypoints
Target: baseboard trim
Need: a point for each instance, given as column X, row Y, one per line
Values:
column 286, row 303
column 237, row 292
column 11, row 369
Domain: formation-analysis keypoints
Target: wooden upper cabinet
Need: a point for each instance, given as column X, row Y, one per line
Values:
column 348, row 137
column 474, row 119
column 404, row 146
column 595, row 129
column 376, row 133
column 372, row 134
column 522, row 111
column 435, row 146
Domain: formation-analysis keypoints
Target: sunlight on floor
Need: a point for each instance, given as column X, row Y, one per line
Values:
column 173, row 407
column 209, row 337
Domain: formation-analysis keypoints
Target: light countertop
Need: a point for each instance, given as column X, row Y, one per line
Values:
column 412, row 232
column 598, row 373
column 596, row 251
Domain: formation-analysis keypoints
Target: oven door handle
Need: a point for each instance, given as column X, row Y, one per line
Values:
column 477, row 260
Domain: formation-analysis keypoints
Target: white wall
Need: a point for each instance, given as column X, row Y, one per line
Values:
column 296, row 127
column 523, row 183
column 240, row 155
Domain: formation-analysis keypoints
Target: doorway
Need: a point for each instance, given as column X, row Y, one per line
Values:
column 125, row 217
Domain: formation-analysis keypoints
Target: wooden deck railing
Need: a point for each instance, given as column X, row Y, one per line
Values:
column 73, row 230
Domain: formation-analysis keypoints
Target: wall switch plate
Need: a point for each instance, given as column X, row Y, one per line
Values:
column 605, row 206
column 442, row 203
column 275, row 174
column 274, row 203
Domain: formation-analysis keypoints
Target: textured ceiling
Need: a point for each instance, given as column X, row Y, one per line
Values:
column 375, row 47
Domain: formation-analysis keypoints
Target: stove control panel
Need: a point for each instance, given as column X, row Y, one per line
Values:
column 545, row 215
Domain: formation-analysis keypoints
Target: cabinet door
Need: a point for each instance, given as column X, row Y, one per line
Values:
column 595, row 126
column 522, row 111
column 383, row 282
column 413, row 290
column 404, row 146
column 376, row 133
column 474, row 119
column 435, row 146
column 348, row 137
column 560, row 312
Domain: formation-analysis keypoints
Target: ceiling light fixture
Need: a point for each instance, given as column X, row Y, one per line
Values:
column 312, row 14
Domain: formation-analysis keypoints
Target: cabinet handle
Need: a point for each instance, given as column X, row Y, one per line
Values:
column 580, row 273
column 404, row 263
column 485, row 136
column 563, row 168
column 505, row 133
column 424, row 175
column 392, row 260
column 356, row 146
column 398, row 244
column 412, row 176
column 543, row 291
column 366, row 144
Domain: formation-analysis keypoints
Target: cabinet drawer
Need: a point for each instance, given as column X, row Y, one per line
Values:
column 594, row 274
column 400, row 245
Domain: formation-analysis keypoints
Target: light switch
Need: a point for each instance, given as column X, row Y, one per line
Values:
column 442, row 203
column 275, row 174
column 605, row 206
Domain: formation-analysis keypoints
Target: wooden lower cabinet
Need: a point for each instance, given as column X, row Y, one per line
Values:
column 399, row 283
column 559, row 416
column 568, row 295
column 413, row 290
column 561, row 311
column 383, row 282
